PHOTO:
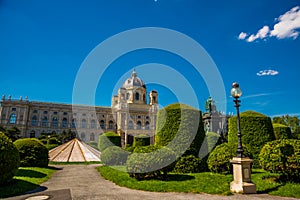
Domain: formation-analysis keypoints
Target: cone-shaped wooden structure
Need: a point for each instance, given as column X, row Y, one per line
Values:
column 74, row 151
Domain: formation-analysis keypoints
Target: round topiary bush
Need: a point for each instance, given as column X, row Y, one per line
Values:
column 150, row 162
column 256, row 130
column 109, row 139
column 9, row 159
column 33, row 152
column 141, row 140
column 190, row 164
column 282, row 132
column 282, row 156
column 219, row 159
column 180, row 127
column 114, row 156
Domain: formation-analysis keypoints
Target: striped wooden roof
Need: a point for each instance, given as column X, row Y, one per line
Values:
column 74, row 151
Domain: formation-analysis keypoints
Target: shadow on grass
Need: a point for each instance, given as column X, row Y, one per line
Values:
column 179, row 177
column 18, row 187
column 30, row 173
column 267, row 191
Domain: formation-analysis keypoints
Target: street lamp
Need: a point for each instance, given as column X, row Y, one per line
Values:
column 236, row 93
column 241, row 165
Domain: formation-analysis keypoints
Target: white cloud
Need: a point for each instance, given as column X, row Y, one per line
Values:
column 286, row 27
column 242, row 36
column 267, row 72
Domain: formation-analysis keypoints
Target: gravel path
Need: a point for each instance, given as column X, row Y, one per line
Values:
column 83, row 182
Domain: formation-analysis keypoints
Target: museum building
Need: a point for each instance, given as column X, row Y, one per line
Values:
column 129, row 115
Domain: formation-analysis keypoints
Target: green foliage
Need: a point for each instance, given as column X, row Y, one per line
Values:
column 282, row 156
column 51, row 146
column 12, row 133
column 282, row 132
column 141, row 140
column 114, row 155
column 150, row 162
column 54, row 140
column 190, row 164
column 181, row 128
column 109, row 139
column 213, row 139
column 256, row 130
column 129, row 148
column 33, row 153
column 9, row 159
column 219, row 159
column 291, row 121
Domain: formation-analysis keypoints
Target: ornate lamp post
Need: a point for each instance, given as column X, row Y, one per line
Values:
column 236, row 93
column 241, row 165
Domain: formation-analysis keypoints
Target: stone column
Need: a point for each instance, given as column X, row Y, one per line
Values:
column 242, row 176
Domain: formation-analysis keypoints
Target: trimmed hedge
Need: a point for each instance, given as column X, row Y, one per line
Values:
column 9, row 159
column 190, row 164
column 114, row 156
column 141, row 140
column 150, row 162
column 219, row 159
column 33, row 152
column 180, row 127
column 213, row 139
column 256, row 130
column 108, row 139
column 282, row 132
column 282, row 156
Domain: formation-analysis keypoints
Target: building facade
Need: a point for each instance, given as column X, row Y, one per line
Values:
column 129, row 115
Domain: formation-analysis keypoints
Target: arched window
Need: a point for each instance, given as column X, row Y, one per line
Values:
column 83, row 123
column 147, row 125
column 82, row 136
column 44, row 121
column 137, row 96
column 34, row 121
column 13, row 118
column 102, row 124
column 130, row 125
column 54, row 122
column 92, row 137
column 73, row 123
column 64, row 122
column 139, row 125
column 32, row 134
column 93, row 123
column 111, row 124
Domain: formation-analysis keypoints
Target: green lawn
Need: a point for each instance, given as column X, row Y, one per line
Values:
column 205, row 182
column 26, row 179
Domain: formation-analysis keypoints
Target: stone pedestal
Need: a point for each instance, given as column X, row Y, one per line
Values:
column 242, row 176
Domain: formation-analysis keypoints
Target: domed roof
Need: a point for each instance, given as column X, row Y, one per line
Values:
column 133, row 81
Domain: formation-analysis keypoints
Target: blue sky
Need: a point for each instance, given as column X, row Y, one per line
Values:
column 256, row 43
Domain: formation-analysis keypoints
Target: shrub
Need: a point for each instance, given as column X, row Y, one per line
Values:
column 129, row 148
column 282, row 132
column 190, row 164
column 213, row 139
column 54, row 140
column 9, row 159
column 32, row 152
column 141, row 140
column 282, row 156
column 256, row 130
column 51, row 146
column 219, row 159
column 181, row 128
column 109, row 139
column 150, row 162
column 114, row 155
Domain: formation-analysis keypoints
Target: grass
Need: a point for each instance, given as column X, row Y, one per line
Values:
column 206, row 182
column 196, row 183
column 26, row 179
